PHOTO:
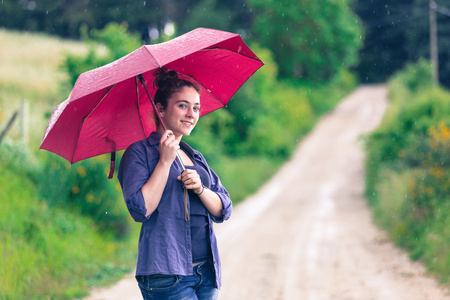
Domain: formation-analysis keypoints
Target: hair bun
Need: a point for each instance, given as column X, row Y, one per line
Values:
column 164, row 76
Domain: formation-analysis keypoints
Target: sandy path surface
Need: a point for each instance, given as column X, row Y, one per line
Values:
column 307, row 234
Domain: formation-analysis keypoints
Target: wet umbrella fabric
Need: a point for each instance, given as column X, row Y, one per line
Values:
column 109, row 109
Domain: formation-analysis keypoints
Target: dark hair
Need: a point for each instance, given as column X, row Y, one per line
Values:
column 167, row 83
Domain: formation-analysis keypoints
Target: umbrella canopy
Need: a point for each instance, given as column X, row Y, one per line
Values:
column 109, row 109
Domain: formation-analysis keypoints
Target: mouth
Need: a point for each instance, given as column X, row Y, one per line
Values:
column 187, row 123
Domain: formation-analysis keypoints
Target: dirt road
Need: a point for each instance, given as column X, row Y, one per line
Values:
column 307, row 234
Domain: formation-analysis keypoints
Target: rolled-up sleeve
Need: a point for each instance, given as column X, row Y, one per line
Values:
column 133, row 174
column 219, row 189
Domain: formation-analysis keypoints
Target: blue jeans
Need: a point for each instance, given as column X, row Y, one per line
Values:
column 201, row 285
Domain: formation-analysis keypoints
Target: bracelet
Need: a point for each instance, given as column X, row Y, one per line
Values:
column 203, row 188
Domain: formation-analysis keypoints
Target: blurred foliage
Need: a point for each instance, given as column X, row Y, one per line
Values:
column 397, row 33
column 50, row 252
column 408, row 167
column 312, row 43
column 85, row 188
column 117, row 42
column 311, row 40
column 211, row 14
column 267, row 116
column 416, row 106
column 18, row 158
column 65, row 18
column 2, row 116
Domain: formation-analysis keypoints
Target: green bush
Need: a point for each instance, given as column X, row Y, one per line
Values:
column 414, row 77
column 324, row 98
column 118, row 43
column 408, row 167
column 50, row 252
column 98, row 197
column 431, row 186
column 84, row 187
column 267, row 116
column 18, row 158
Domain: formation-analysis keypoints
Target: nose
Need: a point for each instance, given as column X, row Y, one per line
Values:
column 190, row 112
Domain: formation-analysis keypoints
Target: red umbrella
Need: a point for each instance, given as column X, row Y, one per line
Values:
column 111, row 107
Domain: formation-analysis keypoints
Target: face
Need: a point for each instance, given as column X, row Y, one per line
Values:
column 182, row 112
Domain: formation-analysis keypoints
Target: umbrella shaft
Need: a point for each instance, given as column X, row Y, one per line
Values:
column 180, row 161
column 142, row 80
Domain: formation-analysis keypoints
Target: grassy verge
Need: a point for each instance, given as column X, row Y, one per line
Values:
column 52, row 253
column 408, row 169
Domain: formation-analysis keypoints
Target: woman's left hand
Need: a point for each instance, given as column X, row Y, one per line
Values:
column 210, row 199
column 191, row 180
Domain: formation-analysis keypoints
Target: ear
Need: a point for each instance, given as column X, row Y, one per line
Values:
column 160, row 109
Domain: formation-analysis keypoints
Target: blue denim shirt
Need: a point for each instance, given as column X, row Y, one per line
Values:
column 165, row 237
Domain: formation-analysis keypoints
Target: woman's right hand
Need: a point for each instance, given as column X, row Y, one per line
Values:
column 168, row 147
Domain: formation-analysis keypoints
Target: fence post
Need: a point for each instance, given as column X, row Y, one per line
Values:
column 434, row 51
column 25, row 121
column 8, row 126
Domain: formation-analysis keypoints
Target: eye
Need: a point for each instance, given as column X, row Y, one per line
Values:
column 182, row 106
column 196, row 109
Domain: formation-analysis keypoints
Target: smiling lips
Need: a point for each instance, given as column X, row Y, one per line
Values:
column 187, row 123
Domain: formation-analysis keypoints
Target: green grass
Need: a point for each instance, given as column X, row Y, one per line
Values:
column 52, row 253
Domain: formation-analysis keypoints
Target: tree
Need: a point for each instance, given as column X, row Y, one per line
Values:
column 116, row 39
column 418, row 36
column 386, row 24
column 397, row 33
column 231, row 15
column 65, row 18
column 311, row 40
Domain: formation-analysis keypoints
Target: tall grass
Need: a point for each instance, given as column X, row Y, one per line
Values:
column 52, row 253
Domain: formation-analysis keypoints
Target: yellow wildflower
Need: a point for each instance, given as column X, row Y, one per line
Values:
column 81, row 170
column 75, row 189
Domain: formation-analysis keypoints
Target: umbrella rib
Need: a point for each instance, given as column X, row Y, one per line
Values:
column 140, row 117
column 209, row 91
column 85, row 117
column 149, row 52
column 216, row 48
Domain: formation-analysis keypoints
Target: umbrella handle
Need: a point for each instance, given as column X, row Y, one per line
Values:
column 142, row 80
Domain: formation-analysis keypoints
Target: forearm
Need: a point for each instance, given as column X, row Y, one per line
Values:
column 154, row 187
column 212, row 202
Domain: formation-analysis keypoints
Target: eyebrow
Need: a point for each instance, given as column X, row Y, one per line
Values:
column 185, row 101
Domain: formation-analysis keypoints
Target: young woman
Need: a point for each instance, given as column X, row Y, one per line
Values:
column 178, row 256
